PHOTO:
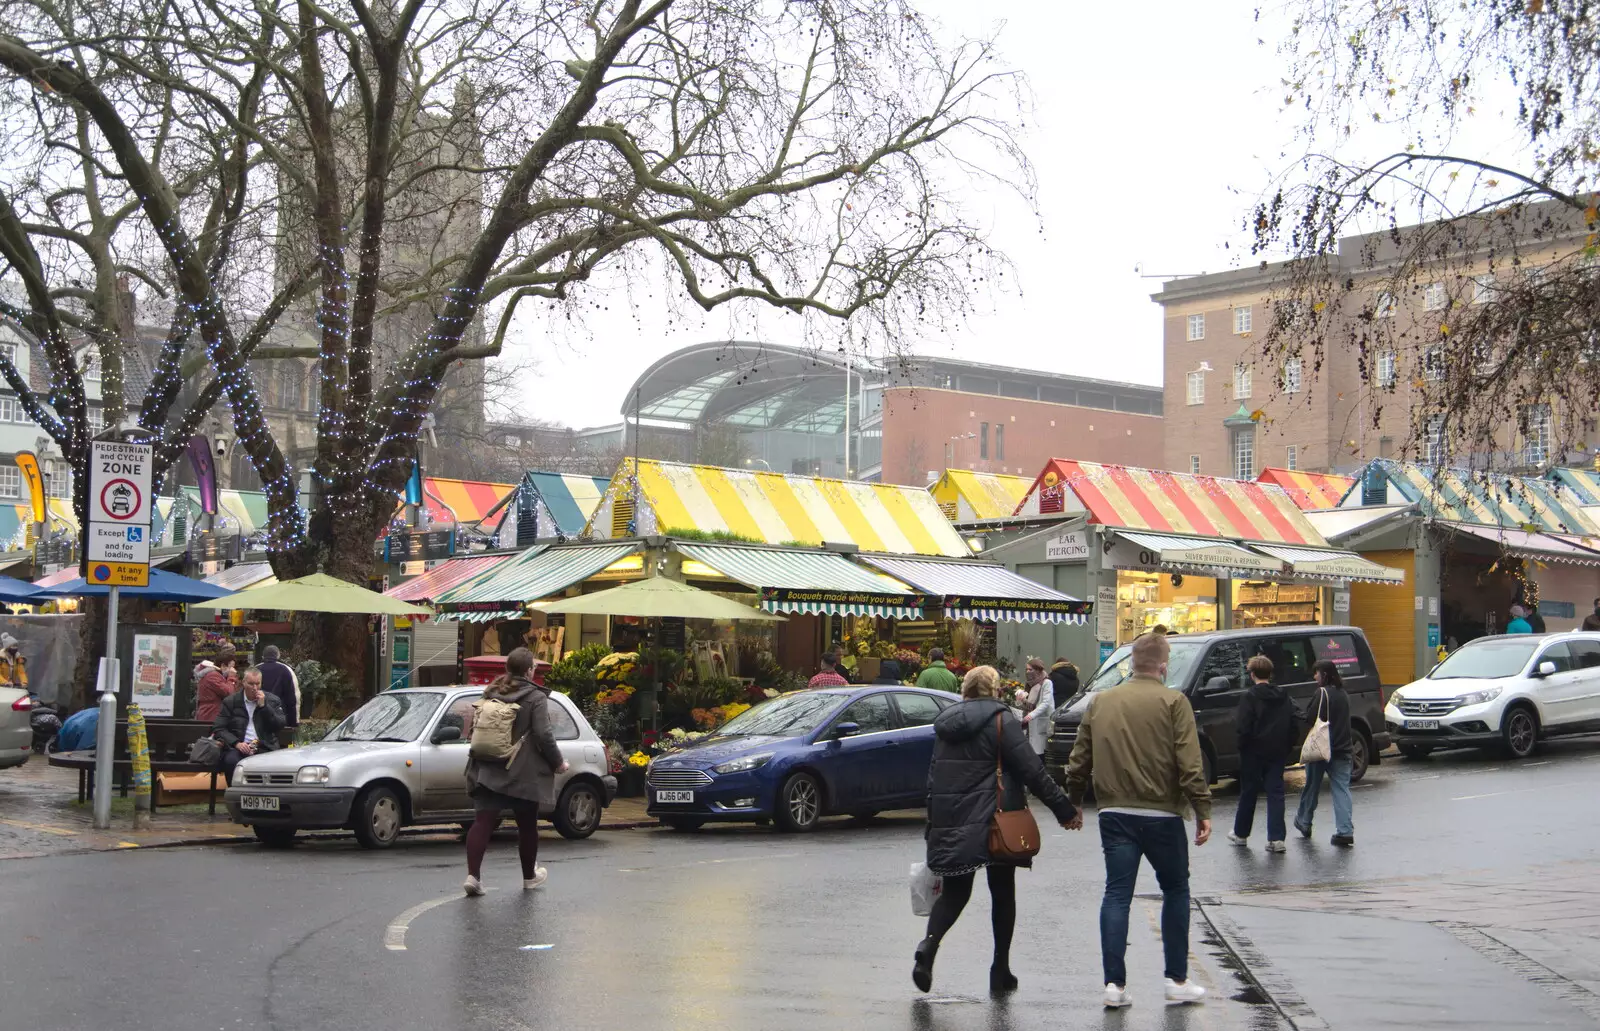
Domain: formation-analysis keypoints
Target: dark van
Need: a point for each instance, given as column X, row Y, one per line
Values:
column 1209, row 668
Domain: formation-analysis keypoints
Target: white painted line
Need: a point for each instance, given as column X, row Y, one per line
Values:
column 1519, row 791
column 394, row 936
column 708, row 862
column 535, row 948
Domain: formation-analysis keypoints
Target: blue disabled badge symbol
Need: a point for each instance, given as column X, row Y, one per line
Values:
column 135, row 533
column 102, row 573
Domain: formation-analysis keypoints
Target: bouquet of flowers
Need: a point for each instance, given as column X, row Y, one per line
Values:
column 616, row 668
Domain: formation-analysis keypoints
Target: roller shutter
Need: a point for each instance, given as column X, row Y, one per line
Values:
column 1387, row 614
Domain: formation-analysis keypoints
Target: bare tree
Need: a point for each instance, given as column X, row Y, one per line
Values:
column 1464, row 280
column 443, row 162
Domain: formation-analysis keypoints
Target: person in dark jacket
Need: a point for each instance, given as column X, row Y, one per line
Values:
column 524, row 784
column 1064, row 675
column 278, row 680
column 963, row 794
column 1264, row 726
column 888, row 672
column 1332, row 704
column 247, row 723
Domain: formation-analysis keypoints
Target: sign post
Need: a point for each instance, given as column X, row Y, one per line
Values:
column 117, row 554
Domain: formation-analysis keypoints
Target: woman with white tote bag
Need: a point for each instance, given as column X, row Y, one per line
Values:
column 1327, row 754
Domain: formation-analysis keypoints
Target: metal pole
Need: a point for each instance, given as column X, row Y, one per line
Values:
column 106, row 732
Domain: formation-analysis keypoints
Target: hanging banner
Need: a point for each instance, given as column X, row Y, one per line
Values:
column 29, row 464
column 205, row 472
column 414, row 485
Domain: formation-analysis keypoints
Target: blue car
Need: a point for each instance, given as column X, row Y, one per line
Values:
column 806, row 755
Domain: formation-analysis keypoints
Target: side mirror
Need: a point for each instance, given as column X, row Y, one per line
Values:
column 846, row 730
column 1216, row 685
column 1546, row 668
column 442, row 735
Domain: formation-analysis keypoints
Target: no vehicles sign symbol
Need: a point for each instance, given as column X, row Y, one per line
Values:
column 120, row 499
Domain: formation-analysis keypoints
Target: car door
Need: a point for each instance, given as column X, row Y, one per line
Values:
column 442, row 768
column 1561, row 694
column 917, row 713
column 1360, row 679
column 568, row 739
column 1213, row 709
column 1586, row 665
column 861, row 769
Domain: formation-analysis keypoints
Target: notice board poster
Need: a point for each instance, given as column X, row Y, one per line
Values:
column 155, row 665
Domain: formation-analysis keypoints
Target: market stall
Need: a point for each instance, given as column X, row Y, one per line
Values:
column 967, row 497
column 549, row 507
column 425, row 652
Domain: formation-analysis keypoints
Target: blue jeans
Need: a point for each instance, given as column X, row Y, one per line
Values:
column 1255, row 774
column 1337, row 770
column 1164, row 841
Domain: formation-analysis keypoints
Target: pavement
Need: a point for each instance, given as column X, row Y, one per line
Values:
column 1470, row 901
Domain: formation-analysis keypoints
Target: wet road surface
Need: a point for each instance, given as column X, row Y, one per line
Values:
column 744, row 928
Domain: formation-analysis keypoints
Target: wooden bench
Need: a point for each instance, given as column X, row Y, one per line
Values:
column 169, row 742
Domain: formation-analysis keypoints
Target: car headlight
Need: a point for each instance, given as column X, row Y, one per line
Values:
column 748, row 762
column 1398, row 696
column 1479, row 697
column 312, row 775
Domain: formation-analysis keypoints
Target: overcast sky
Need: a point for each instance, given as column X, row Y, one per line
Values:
column 1151, row 142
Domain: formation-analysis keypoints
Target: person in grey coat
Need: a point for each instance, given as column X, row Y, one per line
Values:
column 522, row 786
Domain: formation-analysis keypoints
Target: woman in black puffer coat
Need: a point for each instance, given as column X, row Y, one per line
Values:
column 962, row 793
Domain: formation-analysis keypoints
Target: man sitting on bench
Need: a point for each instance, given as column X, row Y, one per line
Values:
column 247, row 723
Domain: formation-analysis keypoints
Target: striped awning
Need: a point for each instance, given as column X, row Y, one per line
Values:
column 1202, row 556
column 444, row 576
column 1181, row 504
column 16, row 521
column 969, row 589
column 1311, row 491
column 1486, row 498
column 239, row 512
column 536, row 573
column 1333, row 565
column 469, row 500
column 1540, row 547
column 243, row 574
column 772, row 508
column 965, row 496
column 813, row 582
column 549, row 506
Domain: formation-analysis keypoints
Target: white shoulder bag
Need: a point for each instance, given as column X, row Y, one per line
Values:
column 1318, row 747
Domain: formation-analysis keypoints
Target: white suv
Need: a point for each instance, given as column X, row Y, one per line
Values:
column 1506, row 691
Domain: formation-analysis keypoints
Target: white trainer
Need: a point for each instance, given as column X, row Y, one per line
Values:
column 1116, row 998
column 1241, row 842
column 472, row 886
column 1188, row 991
column 1277, row 846
column 540, row 875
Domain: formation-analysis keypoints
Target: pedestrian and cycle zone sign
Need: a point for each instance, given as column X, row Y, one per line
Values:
column 117, row 549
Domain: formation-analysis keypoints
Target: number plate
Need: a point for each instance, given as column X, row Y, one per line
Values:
column 1422, row 724
column 674, row 796
column 259, row 803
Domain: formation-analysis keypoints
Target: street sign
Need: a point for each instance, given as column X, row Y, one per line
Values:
column 117, row 539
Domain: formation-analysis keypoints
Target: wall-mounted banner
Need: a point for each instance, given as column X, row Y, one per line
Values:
column 29, row 464
column 205, row 472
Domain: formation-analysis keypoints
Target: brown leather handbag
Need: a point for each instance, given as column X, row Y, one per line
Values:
column 1014, row 835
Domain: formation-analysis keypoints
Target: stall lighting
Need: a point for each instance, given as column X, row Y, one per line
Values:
column 700, row 571
column 628, row 564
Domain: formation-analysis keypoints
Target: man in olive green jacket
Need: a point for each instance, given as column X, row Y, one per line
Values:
column 1139, row 747
column 936, row 676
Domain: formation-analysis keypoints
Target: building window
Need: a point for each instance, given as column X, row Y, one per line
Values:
column 91, row 367
column 58, row 479
column 1242, row 317
column 314, row 391
column 1000, row 443
column 1194, row 465
column 1433, row 297
column 1244, row 454
column 1483, row 288
column 1383, row 308
column 22, row 416
column 1537, row 433
column 1433, row 364
column 1197, row 388
column 983, row 440
column 1433, row 443
column 1291, row 376
column 96, row 419
column 289, row 387
column 10, row 482
column 8, row 351
column 1386, row 370
column 1291, row 457
column 8, row 409
column 1241, row 381
column 1197, row 327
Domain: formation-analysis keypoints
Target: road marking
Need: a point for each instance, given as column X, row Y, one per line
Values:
column 535, row 948
column 1541, row 762
column 45, row 827
column 1518, row 791
column 708, row 862
column 394, row 936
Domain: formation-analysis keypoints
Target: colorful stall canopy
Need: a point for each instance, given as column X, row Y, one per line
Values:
column 1203, row 556
column 444, row 576
column 243, row 574
column 239, row 512
column 980, row 590
column 59, row 577
column 550, row 506
column 965, row 496
column 1311, row 491
column 16, row 521
column 773, row 508
column 1167, row 502
column 814, row 582
column 470, row 500
column 537, row 573
column 1475, row 496
column 1541, row 547
column 1321, row 564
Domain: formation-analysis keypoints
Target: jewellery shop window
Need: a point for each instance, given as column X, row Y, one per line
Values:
column 1182, row 604
column 1258, row 603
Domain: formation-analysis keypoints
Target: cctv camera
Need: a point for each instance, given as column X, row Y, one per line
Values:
column 222, row 445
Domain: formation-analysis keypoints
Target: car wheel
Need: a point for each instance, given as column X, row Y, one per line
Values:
column 379, row 817
column 1520, row 730
column 1360, row 754
column 577, row 812
column 799, row 803
column 274, row 837
column 683, row 823
column 1415, row 751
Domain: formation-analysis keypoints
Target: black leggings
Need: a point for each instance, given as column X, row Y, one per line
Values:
column 1003, row 903
column 527, row 837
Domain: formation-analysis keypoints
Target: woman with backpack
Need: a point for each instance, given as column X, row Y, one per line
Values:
column 511, row 764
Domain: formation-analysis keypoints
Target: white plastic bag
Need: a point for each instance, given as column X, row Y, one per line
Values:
column 925, row 889
column 1318, row 747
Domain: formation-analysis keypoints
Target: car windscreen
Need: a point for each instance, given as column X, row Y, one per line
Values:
column 789, row 716
column 1487, row 660
column 1120, row 666
column 400, row 716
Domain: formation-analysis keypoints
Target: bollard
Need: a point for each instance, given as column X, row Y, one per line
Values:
column 139, row 753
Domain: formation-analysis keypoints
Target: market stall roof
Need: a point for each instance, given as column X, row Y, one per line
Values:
column 241, row 575
column 1585, row 483
column 1542, row 547
column 536, row 573
column 657, row 597
column 317, row 592
column 59, row 577
column 163, row 586
column 1202, row 556
column 14, row 591
column 772, row 508
column 241, row 512
column 1336, row 524
column 970, row 589
column 550, row 506
column 17, row 520
column 1332, row 564
column 1310, row 491
column 11, row 559
column 445, row 576
column 965, row 496
column 1166, row 502
column 1475, row 496
column 814, row 582
column 470, row 500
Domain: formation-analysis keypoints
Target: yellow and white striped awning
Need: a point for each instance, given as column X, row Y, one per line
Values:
column 966, row 496
column 772, row 508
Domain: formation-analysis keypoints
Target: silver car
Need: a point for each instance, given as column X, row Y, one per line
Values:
column 16, row 730
column 400, row 760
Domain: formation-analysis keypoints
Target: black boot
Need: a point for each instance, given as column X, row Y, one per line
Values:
column 922, row 969
column 1001, row 980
